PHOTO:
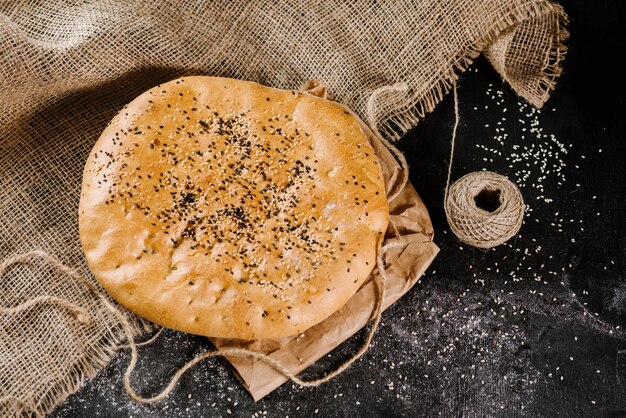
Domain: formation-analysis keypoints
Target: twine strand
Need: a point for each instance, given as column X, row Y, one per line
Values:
column 475, row 225
column 457, row 119
column 378, row 281
column 81, row 314
column 276, row 365
column 147, row 342
column 375, row 318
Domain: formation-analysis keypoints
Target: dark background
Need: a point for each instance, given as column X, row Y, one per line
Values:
column 534, row 327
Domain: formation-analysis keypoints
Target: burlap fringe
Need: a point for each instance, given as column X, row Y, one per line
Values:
column 395, row 125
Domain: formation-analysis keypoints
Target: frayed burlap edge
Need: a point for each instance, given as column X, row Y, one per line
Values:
column 396, row 123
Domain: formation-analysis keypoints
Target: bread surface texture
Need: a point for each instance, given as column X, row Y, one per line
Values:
column 225, row 208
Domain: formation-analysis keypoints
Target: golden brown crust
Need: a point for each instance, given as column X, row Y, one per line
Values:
column 228, row 209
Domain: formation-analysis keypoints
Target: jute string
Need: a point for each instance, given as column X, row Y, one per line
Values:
column 466, row 221
column 83, row 316
column 276, row 365
column 471, row 223
column 378, row 280
column 234, row 352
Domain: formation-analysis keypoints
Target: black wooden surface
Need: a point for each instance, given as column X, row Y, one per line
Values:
column 532, row 328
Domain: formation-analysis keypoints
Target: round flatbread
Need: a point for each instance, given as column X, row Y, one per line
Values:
column 228, row 209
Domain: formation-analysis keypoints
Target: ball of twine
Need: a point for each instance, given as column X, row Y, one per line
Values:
column 484, row 209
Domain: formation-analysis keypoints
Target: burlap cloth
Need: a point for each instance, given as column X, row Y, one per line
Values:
column 66, row 67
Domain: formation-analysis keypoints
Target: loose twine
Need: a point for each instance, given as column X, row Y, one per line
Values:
column 471, row 223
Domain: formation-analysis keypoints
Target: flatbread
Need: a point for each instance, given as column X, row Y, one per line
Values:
column 225, row 208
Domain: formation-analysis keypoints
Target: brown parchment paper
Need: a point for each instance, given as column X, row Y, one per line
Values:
column 407, row 252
